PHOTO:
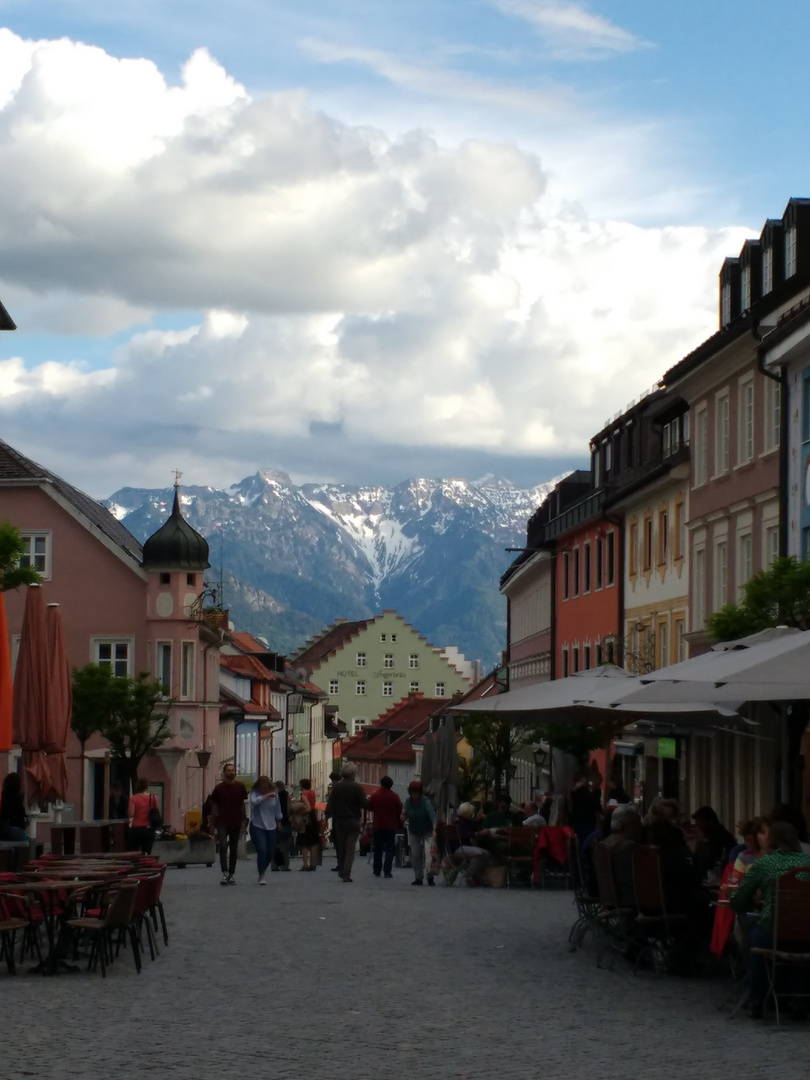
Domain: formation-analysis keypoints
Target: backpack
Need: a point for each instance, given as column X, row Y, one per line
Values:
column 155, row 816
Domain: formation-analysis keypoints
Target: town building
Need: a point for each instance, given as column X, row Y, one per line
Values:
column 131, row 608
column 368, row 665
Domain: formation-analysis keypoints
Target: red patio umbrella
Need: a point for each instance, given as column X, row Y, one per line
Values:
column 30, row 704
column 60, row 703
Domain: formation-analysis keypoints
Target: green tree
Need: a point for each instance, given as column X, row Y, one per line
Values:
column 778, row 596
column 495, row 740
column 470, row 778
column 132, row 714
column 12, row 575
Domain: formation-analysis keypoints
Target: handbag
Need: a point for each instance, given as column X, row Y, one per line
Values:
column 155, row 816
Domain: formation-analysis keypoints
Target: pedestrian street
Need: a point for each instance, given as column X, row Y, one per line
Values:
column 311, row 977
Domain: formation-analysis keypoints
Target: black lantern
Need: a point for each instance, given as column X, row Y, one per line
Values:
column 203, row 757
column 540, row 757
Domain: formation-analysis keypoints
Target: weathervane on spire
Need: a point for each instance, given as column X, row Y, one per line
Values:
column 177, row 475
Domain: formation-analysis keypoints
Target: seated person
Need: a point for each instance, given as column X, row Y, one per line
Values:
column 785, row 854
column 714, row 842
column 743, row 855
column 624, row 840
column 502, row 817
column 679, row 875
column 532, row 816
column 792, row 815
column 468, row 844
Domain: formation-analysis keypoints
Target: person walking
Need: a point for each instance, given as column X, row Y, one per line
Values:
column 141, row 830
column 386, row 806
column 265, row 814
column 228, row 802
column 309, row 839
column 118, row 803
column 281, row 856
column 420, row 817
column 334, row 778
column 346, row 806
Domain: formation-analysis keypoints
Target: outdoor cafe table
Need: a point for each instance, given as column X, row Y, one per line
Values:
column 14, row 854
column 54, row 898
column 94, row 837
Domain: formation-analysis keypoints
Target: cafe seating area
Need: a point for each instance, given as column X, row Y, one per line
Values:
column 64, row 913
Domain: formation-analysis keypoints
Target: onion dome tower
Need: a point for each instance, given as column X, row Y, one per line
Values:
column 176, row 546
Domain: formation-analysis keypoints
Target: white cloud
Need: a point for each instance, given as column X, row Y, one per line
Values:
column 388, row 290
column 570, row 30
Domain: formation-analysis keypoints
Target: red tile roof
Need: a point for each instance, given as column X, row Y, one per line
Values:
column 333, row 638
column 248, row 666
column 400, row 724
column 247, row 642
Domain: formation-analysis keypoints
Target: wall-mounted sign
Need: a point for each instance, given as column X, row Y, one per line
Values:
column 667, row 748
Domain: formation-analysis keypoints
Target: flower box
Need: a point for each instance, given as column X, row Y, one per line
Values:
column 183, row 853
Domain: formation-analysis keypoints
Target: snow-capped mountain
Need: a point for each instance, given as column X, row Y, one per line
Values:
column 295, row 558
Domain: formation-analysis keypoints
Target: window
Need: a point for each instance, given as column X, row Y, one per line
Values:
column 647, row 544
column 334, row 686
column 440, row 689
column 611, row 558
column 165, row 579
column 790, row 252
column 358, row 723
column 600, row 561
column 773, row 414
column 701, row 446
column 413, row 688
column 191, row 579
column 767, row 270
column 685, row 428
column 393, row 639
column 745, row 560
column 586, row 657
column 746, row 422
column 36, row 552
column 745, row 287
column 565, row 663
column 388, row 660
column 663, row 537
column 187, row 652
column 771, row 545
column 586, row 568
column 566, row 577
column 163, row 664
column 388, row 689
column 413, row 660
column 721, row 413
column 680, row 530
column 663, row 645
column 725, row 304
column 608, row 456
column 575, row 589
column 383, row 637
column 575, row 658
column 361, row 659
column 720, row 575
column 611, row 652
column 680, row 644
column 699, row 590
column 114, row 655
column 672, row 437
column 360, row 688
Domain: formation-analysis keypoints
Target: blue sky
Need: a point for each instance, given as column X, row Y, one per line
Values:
column 455, row 234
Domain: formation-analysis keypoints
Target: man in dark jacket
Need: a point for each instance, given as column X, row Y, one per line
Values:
column 386, row 806
column 346, row 807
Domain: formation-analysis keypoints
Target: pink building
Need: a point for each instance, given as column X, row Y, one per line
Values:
column 133, row 609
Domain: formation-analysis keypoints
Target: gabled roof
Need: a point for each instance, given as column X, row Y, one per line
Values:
column 18, row 470
column 247, row 643
column 247, row 666
column 402, row 720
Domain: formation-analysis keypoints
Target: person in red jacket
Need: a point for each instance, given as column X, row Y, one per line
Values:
column 386, row 807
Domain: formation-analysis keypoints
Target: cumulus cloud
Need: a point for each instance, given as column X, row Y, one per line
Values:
column 357, row 292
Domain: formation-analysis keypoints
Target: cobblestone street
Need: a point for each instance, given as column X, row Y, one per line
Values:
column 312, row 978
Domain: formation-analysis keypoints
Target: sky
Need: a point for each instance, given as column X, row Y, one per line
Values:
column 363, row 241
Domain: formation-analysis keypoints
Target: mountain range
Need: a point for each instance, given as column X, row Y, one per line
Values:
column 291, row 559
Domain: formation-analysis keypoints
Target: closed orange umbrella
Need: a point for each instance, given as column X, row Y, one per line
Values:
column 60, row 703
column 5, row 681
column 30, row 704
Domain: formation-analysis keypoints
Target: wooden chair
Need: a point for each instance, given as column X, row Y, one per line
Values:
column 791, row 931
column 460, row 863
column 118, row 913
column 9, row 925
column 655, row 922
column 520, row 841
column 613, row 920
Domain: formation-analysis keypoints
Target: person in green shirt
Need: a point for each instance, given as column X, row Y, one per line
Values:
column 420, row 817
column 785, row 854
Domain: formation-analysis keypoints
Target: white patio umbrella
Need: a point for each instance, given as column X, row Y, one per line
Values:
column 774, row 670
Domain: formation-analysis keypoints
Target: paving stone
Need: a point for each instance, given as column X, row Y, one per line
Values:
column 313, row 977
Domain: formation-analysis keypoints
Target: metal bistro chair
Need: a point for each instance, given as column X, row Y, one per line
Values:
column 655, row 922
column 117, row 914
column 9, row 925
column 587, row 906
column 611, row 920
column 520, row 841
column 791, row 932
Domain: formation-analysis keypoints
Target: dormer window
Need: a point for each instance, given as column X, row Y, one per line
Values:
column 767, row 271
column 725, row 304
column 745, row 287
column 790, row 252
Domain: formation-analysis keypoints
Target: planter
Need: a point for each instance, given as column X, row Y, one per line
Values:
column 182, row 853
column 215, row 618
